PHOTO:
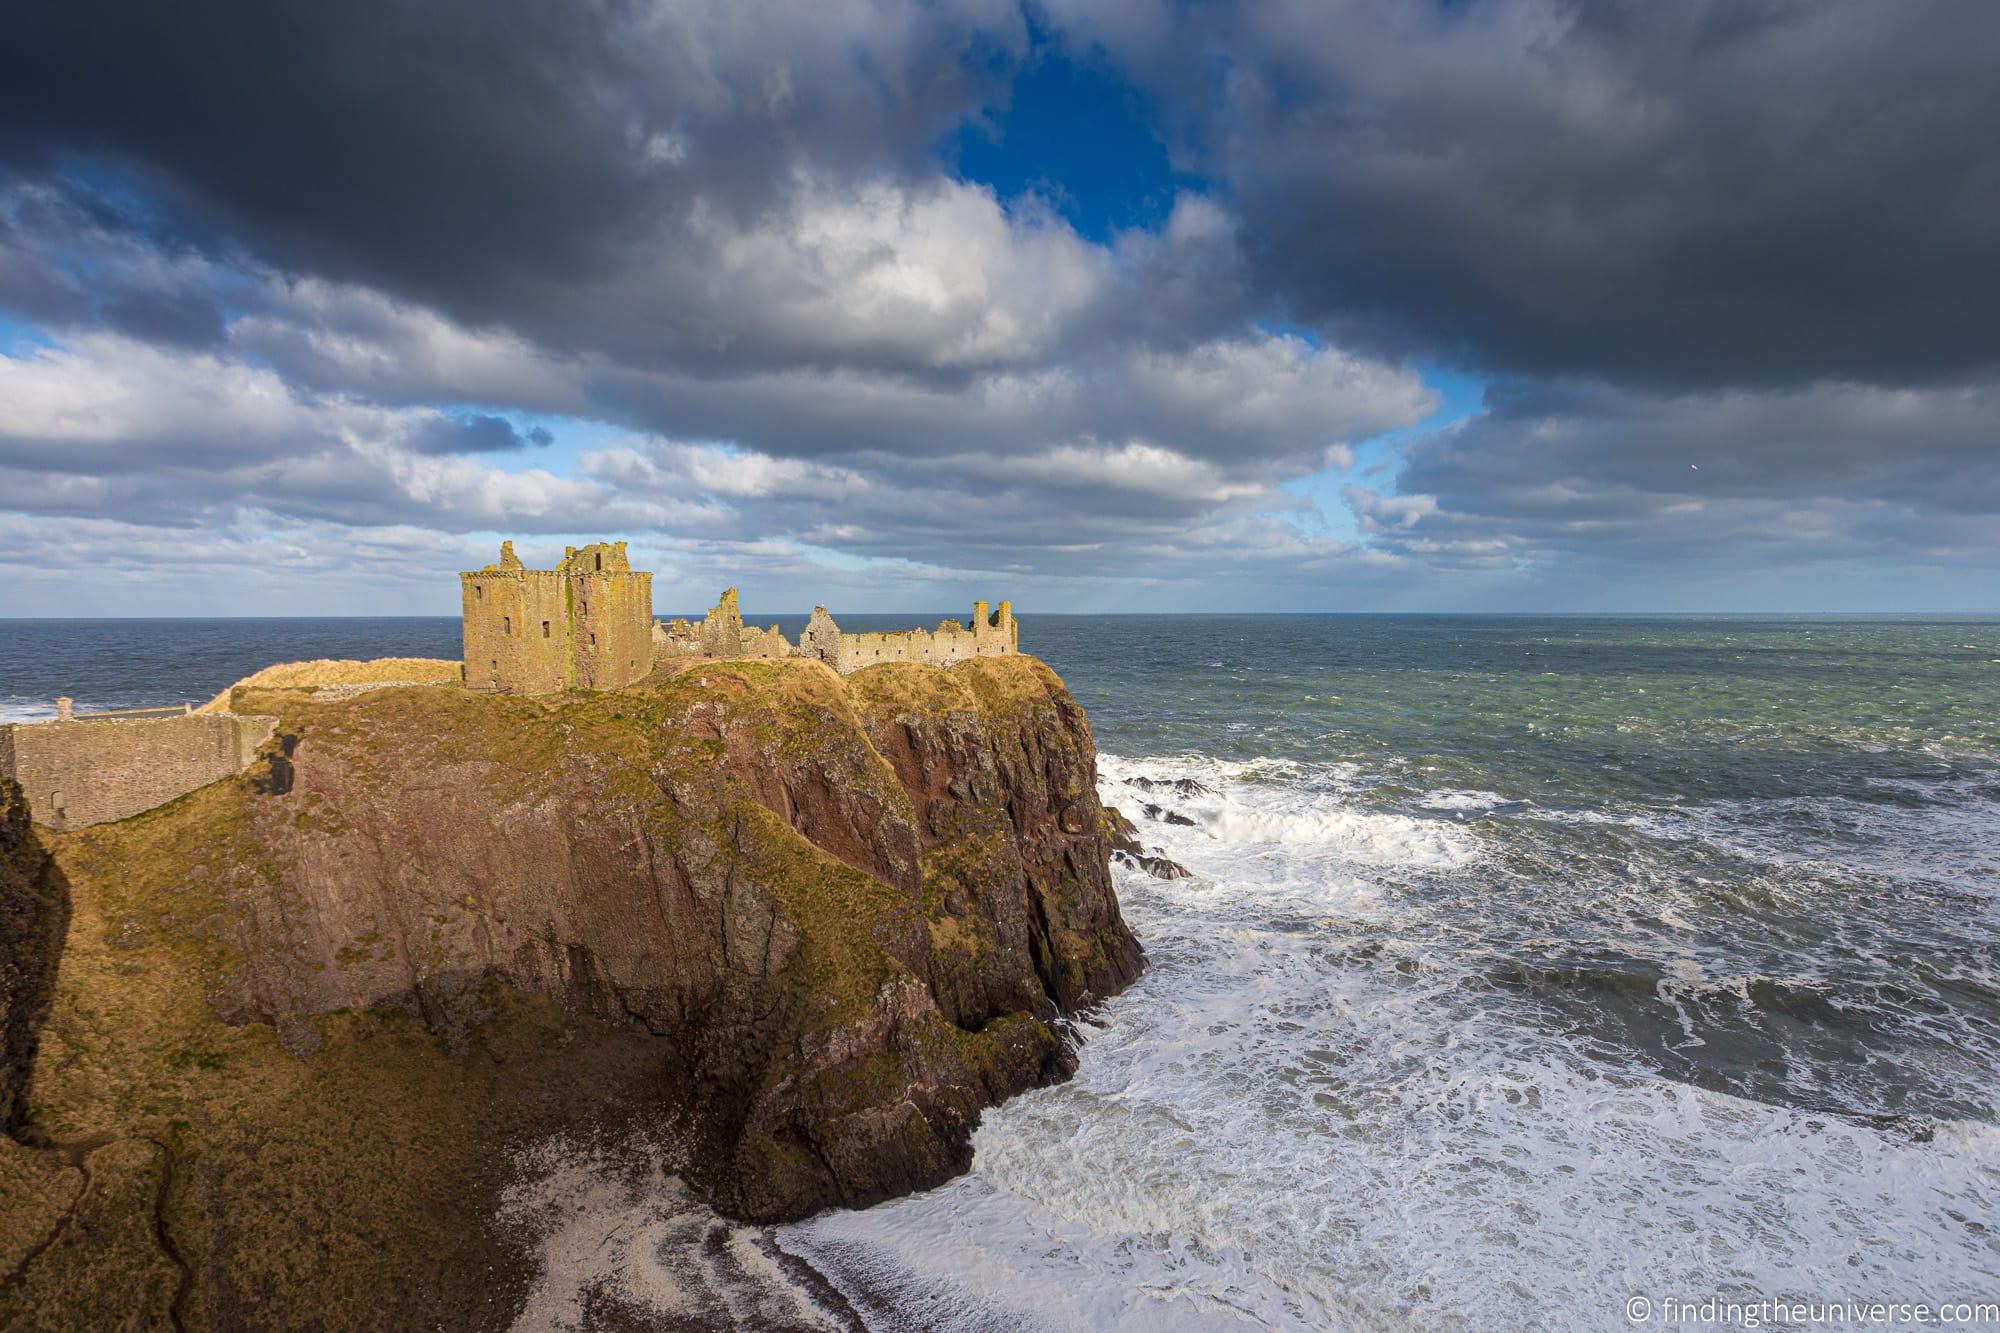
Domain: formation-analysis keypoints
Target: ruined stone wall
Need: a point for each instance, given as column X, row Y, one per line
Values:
column 987, row 635
column 677, row 638
column 723, row 635
column 613, row 628
column 91, row 771
column 722, row 628
column 765, row 643
column 516, row 630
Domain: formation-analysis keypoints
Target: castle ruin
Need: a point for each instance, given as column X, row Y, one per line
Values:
column 587, row 624
column 722, row 634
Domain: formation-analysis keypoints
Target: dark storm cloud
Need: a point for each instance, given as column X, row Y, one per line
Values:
column 505, row 161
column 187, row 319
column 1703, row 192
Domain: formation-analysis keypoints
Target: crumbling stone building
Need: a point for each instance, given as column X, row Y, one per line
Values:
column 587, row 624
column 722, row 634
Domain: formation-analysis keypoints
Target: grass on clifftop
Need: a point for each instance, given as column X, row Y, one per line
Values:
column 337, row 671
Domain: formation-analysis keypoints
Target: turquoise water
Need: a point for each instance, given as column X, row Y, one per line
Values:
column 1527, row 965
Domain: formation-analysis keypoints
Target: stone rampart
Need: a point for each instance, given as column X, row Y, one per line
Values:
column 93, row 770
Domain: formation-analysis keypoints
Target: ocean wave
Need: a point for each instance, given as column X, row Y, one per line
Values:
column 1207, row 807
column 1258, row 1135
column 1460, row 800
column 26, row 710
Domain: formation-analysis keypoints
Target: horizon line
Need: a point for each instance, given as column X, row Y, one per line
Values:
column 1124, row 615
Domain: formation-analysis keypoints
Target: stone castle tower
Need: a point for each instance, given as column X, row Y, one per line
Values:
column 587, row 624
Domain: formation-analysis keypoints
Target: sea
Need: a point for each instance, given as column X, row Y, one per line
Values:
column 1531, row 972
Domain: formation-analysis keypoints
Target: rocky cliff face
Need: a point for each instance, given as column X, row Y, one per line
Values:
column 851, row 913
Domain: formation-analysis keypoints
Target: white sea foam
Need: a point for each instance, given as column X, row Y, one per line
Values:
column 615, row 1228
column 1263, row 806
column 1455, row 799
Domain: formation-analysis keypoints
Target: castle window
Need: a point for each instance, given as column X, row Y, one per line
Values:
column 593, row 640
column 506, row 624
column 600, row 562
column 545, row 629
column 478, row 592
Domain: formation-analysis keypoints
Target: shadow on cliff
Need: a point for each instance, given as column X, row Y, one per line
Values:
column 34, row 920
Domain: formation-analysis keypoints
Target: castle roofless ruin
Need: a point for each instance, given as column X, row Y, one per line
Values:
column 588, row 624
column 723, row 635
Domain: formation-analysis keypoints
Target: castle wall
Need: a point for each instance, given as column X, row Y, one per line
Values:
column 722, row 628
column 992, row 635
column 92, row 771
column 677, row 638
column 764, row 643
column 614, row 628
column 515, row 630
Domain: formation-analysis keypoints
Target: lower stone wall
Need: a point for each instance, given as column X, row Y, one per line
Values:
column 949, row 643
column 761, row 643
column 94, row 771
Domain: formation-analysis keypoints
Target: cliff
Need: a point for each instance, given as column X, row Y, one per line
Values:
column 810, row 925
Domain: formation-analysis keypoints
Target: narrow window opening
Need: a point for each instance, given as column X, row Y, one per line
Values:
column 545, row 629
column 600, row 562
column 506, row 624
